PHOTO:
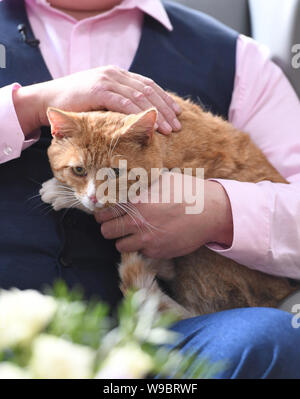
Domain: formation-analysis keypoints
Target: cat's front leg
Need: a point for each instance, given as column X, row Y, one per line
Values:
column 56, row 194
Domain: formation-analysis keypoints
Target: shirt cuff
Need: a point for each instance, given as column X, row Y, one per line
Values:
column 252, row 205
column 12, row 139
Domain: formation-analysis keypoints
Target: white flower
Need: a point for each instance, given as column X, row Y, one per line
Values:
column 9, row 371
column 129, row 361
column 23, row 314
column 54, row 357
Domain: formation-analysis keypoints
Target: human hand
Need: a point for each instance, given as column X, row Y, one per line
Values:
column 165, row 230
column 107, row 87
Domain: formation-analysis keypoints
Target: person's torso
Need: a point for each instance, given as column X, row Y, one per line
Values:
column 38, row 245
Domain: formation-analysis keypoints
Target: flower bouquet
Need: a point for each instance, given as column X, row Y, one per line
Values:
column 60, row 336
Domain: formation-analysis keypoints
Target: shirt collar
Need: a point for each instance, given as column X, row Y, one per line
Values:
column 154, row 8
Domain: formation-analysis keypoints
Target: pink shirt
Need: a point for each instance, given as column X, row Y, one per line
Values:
column 266, row 216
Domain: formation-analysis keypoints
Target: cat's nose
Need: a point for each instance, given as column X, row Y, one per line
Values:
column 93, row 198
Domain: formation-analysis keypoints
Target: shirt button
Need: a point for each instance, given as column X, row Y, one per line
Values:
column 65, row 262
column 7, row 150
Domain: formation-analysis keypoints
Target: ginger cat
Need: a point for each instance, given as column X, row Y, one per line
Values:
column 199, row 283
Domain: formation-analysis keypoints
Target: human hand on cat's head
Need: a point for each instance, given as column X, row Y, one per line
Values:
column 166, row 230
column 109, row 87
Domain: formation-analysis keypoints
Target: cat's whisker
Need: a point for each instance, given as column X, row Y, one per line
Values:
column 37, row 206
column 34, row 196
column 49, row 208
column 67, row 198
column 66, row 193
column 68, row 205
column 69, row 202
column 132, row 216
column 59, row 191
column 133, row 219
column 148, row 225
column 34, row 181
column 64, row 214
column 118, row 155
column 49, row 211
column 118, row 215
column 66, row 188
column 63, row 190
column 74, row 204
column 110, row 146
column 116, row 142
column 143, row 225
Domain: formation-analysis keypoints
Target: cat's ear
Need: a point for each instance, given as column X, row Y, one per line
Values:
column 62, row 124
column 141, row 126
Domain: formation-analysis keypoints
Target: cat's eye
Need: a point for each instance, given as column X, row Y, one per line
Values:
column 117, row 171
column 79, row 171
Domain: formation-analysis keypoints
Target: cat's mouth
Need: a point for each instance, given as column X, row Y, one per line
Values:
column 93, row 206
column 90, row 203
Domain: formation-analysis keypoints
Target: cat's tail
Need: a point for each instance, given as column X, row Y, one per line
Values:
column 136, row 272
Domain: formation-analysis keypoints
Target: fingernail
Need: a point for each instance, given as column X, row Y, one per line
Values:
column 176, row 124
column 176, row 108
column 156, row 126
column 167, row 127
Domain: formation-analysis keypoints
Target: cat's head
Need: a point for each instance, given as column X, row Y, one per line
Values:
column 85, row 143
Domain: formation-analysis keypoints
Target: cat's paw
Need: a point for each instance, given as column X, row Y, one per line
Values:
column 134, row 272
column 139, row 272
column 51, row 193
column 48, row 190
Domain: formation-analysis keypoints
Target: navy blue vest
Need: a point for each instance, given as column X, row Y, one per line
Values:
column 38, row 245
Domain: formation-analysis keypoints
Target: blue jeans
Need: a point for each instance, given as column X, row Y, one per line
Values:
column 253, row 342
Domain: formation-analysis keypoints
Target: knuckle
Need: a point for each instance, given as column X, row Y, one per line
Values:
column 124, row 72
column 149, row 82
column 107, row 98
column 105, row 86
column 111, row 70
column 148, row 90
column 139, row 96
column 100, row 86
column 103, row 78
column 125, row 102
